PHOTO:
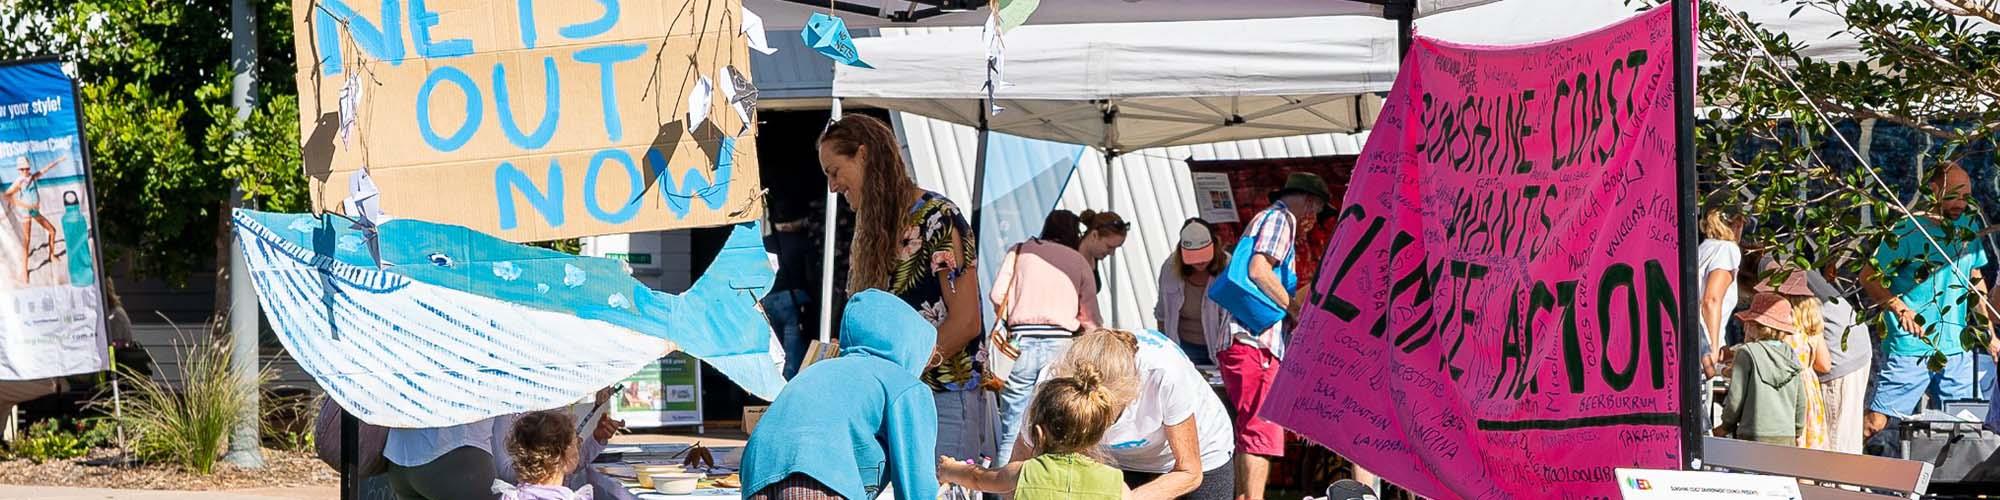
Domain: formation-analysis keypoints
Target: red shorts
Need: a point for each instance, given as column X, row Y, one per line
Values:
column 1247, row 373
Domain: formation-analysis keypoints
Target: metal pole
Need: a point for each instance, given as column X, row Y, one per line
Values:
column 979, row 171
column 1692, row 422
column 245, row 447
column 832, row 225
column 1111, row 203
column 1405, row 14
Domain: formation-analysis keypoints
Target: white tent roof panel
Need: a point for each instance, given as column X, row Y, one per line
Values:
column 786, row 14
column 1170, row 83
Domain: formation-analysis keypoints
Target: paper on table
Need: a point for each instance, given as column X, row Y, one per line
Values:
column 828, row 36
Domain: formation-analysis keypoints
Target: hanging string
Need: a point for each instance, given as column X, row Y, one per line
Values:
column 1742, row 27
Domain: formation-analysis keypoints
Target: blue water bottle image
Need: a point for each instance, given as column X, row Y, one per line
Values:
column 76, row 230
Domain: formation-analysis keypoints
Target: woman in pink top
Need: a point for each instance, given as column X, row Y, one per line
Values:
column 1044, row 292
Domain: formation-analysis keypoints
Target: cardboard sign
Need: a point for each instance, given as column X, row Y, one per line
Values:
column 529, row 120
column 1497, row 314
column 1643, row 484
column 51, row 310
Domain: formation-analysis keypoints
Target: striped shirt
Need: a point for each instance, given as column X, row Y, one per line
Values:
column 1273, row 234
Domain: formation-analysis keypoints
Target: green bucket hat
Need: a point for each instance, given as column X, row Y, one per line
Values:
column 1304, row 183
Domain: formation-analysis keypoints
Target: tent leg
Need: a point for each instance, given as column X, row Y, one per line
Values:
column 1404, row 12
column 832, row 224
column 1692, row 425
column 1111, row 205
column 979, row 170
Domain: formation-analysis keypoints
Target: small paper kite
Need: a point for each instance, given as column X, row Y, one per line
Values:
column 996, row 61
column 350, row 107
column 740, row 94
column 364, row 204
column 828, row 35
column 753, row 27
column 699, row 101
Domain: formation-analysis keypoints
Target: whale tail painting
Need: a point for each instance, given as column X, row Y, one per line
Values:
column 456, row 326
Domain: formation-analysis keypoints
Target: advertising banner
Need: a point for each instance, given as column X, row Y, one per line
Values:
column 1497, row 314
column 51, row 312
column 531, row 120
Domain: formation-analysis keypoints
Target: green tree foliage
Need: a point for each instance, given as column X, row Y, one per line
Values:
column 1765, row 144
column 155, row 84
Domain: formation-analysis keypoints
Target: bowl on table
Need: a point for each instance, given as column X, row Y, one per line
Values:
column 645, row 473
column 676, row 483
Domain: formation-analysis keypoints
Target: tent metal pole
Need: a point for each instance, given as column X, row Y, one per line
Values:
column 1111, row 205
column 1110, row 149
column 1692, row 409
column 831, row 222
column 1404, row 12
column 979, row 169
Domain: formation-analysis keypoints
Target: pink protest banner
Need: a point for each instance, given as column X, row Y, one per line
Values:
column 1497, row 313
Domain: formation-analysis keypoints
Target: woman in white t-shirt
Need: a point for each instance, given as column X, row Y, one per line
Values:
column 1719, row 258
column 1173, row 439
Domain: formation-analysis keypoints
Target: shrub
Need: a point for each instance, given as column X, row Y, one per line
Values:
column 49, row 440
column 288, row 421
column 186, row 426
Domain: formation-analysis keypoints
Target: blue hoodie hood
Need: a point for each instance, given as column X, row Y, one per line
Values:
column 881, row 325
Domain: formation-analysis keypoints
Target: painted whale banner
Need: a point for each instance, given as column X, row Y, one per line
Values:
column 458, row 326
column 531, row 120
column 1497, row 314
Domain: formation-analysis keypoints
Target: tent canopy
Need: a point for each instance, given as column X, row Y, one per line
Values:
column 792, row 14
column 1125, row 87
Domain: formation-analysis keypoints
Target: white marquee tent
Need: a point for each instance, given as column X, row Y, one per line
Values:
column 792, row 14
column 1192, row 83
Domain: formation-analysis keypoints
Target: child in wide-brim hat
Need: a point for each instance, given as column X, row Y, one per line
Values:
column 1766, row 401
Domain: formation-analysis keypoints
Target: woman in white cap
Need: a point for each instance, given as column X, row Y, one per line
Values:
column 1044, row 294
column 1184, row 311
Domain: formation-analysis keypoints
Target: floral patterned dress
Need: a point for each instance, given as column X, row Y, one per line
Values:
column 924, row 255
column 1815, row 435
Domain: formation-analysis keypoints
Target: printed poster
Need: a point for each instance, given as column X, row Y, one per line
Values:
column 531, row 121
column 1497, row 314
column 51, row 312
column 666, row 393
column 1217, row 204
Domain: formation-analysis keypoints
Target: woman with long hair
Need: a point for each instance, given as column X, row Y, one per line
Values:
column 915, row 244
column 1719, row 257
column 1184, row 311
column 1044, row 294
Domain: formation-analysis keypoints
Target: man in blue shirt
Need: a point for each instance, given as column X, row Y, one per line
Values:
column 1922, row 277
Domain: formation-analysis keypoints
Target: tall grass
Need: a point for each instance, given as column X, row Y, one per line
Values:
column 189, row 425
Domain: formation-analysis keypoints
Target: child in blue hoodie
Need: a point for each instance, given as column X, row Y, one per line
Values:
column 846, row 426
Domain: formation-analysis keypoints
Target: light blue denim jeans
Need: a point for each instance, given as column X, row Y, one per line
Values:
column 965, row 424
column 1037, row 352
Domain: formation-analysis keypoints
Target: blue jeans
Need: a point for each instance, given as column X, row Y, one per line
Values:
column 782, row 309
column 1037, row 352
column 965, row 424
column 1197, row 353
